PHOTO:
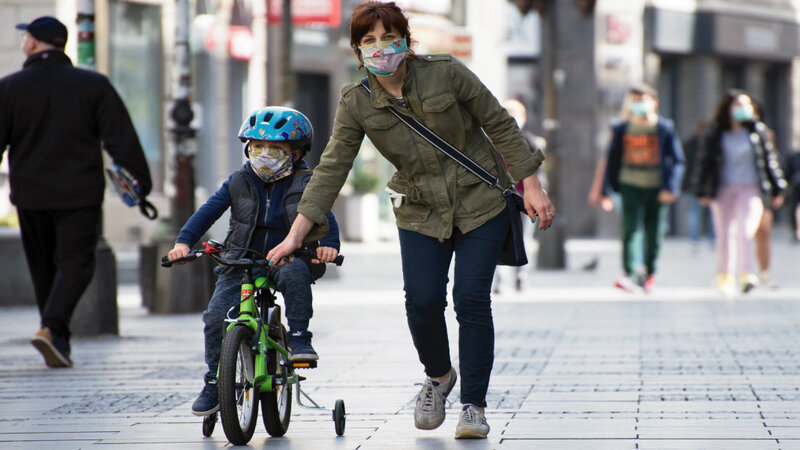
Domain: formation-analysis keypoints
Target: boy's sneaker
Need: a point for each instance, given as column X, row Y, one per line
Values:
column 471, row 423
column 649, row 284
column 55, row 349
column 300, row 349
column 625, row 283
column 429, row 411
column 748, row 281
column 207, row 402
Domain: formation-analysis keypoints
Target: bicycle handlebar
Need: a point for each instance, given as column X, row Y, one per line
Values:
column 244, row 262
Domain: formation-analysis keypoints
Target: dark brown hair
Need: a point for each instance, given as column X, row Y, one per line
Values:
column 367, row 13
column 722, row 116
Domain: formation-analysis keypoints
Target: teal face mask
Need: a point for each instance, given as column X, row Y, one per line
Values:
column 641, row 108
column 384, row 57
column 742, row 113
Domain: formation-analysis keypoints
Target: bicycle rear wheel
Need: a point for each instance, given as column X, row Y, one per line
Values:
column 237, row 395
column 276, row 405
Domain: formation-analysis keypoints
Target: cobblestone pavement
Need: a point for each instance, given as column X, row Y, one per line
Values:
column 578, row 365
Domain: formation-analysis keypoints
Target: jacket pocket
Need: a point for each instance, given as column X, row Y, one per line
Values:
column 474, row 195
column 413, row 209
column 382, row 120
column 438, row 103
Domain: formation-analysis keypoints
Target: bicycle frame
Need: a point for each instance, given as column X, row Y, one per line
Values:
column 250, row 317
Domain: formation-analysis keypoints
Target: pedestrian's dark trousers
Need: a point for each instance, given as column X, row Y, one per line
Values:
column 641, row 206
column 60, row 248
column 426, row 264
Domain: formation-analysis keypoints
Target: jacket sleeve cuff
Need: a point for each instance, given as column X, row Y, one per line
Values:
column 312, row 212
column 528, row 167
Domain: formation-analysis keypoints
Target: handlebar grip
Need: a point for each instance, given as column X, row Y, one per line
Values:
column 339, row 260
column 165, row 262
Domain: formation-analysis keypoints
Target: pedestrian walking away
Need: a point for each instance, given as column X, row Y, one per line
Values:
column 54, row 120
column 737, row 173
column 441, row 209
column 763, row 237
column 645, row 164
column 262, row 197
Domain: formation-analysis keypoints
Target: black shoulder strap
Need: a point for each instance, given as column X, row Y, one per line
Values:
column 450, row 151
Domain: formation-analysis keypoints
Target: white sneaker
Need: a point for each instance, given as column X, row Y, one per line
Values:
column 767, row 281
column 626, row 284
column 471, row 423
column 429, row 411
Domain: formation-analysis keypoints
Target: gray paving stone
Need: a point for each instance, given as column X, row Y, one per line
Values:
column 578, row 365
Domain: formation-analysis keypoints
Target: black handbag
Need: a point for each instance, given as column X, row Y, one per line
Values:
column 513, row 251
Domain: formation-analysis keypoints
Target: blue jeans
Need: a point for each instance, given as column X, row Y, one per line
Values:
column 293, row 280
column 426, row 263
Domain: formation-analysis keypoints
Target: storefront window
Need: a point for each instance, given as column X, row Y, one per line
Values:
column 136, row 72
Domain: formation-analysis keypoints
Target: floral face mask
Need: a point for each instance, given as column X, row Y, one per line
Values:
column 383, row 58
column 269, row 161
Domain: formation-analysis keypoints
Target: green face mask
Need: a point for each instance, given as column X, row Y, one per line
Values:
column 742, row 113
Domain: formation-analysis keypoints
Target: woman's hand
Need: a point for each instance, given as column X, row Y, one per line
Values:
column 179, row 251
column 325, row 255
column 607, row 204
column 281, row 253
column 704, row 201
column 537, row 202
column 777, row 201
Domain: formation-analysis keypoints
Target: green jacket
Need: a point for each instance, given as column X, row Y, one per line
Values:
column 442, row 93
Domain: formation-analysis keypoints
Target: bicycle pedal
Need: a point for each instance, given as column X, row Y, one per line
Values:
column 304, row 364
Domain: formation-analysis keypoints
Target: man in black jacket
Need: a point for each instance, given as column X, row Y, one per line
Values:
column 54, row 119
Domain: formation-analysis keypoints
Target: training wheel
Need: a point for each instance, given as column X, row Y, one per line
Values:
column 208, row 424
column 338, row 417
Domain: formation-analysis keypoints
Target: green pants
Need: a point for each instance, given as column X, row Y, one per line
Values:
column 640, row 207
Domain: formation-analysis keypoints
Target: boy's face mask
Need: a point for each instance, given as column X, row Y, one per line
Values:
column 383, row 58
column 270, row 160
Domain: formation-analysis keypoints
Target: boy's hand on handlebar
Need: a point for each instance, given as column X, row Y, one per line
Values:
column 325, row 255
column 179, row 251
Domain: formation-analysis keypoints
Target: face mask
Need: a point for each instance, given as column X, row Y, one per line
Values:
column 641, row 108
column 269, row 163
column 384, row 57
column 742, row 113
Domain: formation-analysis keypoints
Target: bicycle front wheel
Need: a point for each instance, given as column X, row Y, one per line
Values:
column 237, row 395
column 276, row 405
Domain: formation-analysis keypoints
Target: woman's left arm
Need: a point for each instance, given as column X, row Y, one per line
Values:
column 507, row 138
column 495, row 120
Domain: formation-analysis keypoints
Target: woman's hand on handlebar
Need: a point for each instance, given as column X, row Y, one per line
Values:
column 325, row 255
column 179, row 251
column 281, row 253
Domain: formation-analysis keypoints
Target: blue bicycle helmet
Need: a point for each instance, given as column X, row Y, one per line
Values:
column 276, row 123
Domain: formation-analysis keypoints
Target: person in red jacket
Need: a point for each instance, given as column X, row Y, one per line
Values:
column 54, row 120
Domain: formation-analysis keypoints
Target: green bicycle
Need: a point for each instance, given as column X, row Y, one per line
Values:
column 254, row 363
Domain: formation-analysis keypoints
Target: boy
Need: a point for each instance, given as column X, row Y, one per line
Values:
column 263, row 197
column 645, row 165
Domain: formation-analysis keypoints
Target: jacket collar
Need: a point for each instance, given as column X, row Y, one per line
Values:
column 47, row 57
column 380, row 97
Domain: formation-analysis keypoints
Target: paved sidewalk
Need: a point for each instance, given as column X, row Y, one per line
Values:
column 578, row 365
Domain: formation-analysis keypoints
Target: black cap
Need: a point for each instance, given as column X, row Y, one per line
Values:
column 46, row 29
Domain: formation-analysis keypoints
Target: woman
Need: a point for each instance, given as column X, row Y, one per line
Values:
column 737, row 173
column 442, row 208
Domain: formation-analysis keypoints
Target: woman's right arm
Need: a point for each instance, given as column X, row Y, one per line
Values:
column 326, row 182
